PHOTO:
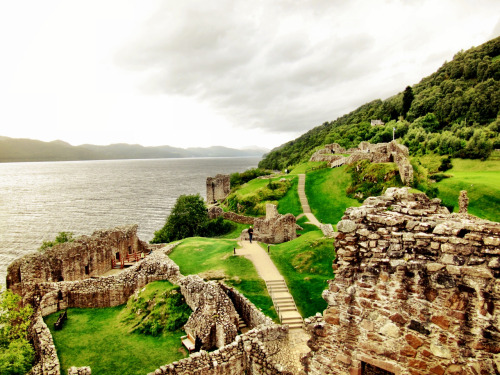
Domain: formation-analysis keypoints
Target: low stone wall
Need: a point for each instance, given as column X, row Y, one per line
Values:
column 215, row 212
column 47, row 362
column 417, row 291
column 246, row 355
column 252, row 316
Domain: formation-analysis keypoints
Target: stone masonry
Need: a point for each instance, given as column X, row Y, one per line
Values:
column 275, row 228
column 416, row 291
column 218, row 188
column 214, row 320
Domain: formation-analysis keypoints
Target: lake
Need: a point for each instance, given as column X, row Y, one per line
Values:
column 39, row 200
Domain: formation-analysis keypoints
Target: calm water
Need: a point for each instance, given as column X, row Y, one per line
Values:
column 39, row 200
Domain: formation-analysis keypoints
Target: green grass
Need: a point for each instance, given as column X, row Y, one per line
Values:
column 481, row 179
column 306, row 265
column 290, row 203
column 326, row 194
column 98, row 338
column 236, row 232
column 213, row 259
column 306, row 227
column 303, row 168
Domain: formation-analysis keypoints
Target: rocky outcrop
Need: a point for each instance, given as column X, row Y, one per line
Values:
column 416, row 291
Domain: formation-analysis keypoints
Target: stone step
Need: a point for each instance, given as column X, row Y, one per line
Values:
column 275, row 282
column 295, row 325
column 282, row 309
column 285, row 304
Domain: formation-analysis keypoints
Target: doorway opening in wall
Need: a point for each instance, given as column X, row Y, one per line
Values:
column 367, row 369
column 117, row 255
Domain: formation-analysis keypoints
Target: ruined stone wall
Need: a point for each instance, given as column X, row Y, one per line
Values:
column 214, row 320
column 252, row 316
column 416, row 292
column 218, row 187
column 246, row 355
column 47, row 361
column 215, row 212
column 280, row 229
column 84, row 258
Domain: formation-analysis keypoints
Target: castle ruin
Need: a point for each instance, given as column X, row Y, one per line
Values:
column 416, row 291
column 218, row 188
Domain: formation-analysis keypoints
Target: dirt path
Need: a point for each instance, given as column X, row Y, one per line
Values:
column 303, row 201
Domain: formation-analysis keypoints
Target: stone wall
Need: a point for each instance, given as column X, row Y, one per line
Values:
column 246, row 355
column 416, row 292
column 218, row 188
column 215, row 212
column 214, row 320
column 274, row 228
column 47, row 361
column 252, row 316
column 86, row 257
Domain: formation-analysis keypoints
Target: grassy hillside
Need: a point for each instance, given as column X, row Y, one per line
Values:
column 481, row 179
column 306, row 265
column 326, row 193
column 451, row 112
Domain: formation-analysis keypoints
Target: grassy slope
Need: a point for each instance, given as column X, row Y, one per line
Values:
column 481, row 179
column 97, row 338
column 290, row 203
column 306, row 265
column 325, row 190
column 214, row 259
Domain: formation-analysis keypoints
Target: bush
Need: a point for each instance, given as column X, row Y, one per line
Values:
column 62, row 237
column 445, row 164
column 16, row 354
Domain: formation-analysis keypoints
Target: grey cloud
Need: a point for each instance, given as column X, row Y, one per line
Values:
column 281, row 65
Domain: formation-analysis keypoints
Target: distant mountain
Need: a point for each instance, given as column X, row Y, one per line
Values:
column 26, row 150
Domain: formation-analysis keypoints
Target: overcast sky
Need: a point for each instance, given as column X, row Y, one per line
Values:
column 221, row 72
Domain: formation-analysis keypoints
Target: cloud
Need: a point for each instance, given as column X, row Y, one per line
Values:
column 286, row 66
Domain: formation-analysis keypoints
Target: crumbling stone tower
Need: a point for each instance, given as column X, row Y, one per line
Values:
column 218, row 188
column 417, row 291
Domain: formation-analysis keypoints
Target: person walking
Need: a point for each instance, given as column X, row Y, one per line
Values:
column 250, row 233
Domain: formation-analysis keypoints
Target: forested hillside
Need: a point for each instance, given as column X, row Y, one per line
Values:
column 454, row 111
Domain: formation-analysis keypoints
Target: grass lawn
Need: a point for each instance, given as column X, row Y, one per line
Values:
column 305, row 167
column 306, row 265
column 290, row 203
column 481, row 179
column 235, row 233
column 326, row 194
column 98, row 338
column 213, row 259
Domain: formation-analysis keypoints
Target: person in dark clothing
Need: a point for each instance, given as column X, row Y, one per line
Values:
column 250, row 233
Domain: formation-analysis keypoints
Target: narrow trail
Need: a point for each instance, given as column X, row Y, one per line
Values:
column 303, row 201
column 284, row 304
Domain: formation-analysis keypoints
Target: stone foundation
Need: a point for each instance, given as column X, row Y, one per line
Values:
column 416, row 292
column 215, row 212
column 275, row 228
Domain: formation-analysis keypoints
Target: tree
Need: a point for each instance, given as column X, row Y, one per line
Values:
column 188, row 217
column 16, row 353
column 407, row 100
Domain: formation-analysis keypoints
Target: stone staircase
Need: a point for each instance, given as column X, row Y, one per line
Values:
column 338, row 162
column 242, row 326
column 302, row 194
column 284, row 304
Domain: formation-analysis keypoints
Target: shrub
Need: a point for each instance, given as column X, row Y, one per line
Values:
column 62, row 237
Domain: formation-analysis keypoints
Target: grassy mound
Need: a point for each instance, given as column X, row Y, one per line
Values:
column 213, row 259
column 159, row 307
column 306, row 265
column 100, row 339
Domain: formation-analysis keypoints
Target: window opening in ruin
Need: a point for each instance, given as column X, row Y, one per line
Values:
column 367, row 369
column 87, row 270
column 117, row 255
column 130, row 249
column 59, row 295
